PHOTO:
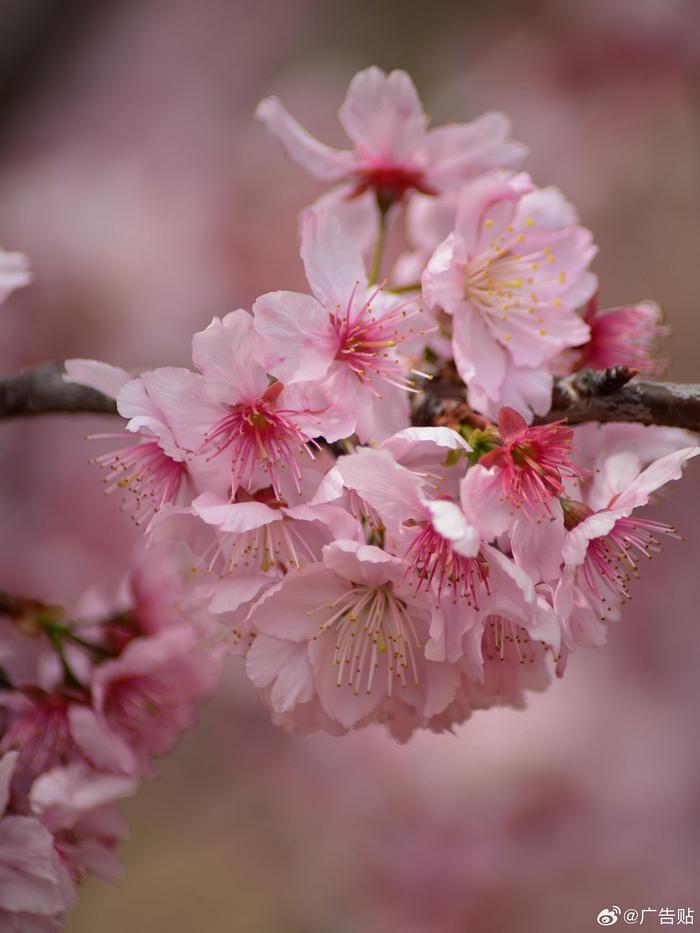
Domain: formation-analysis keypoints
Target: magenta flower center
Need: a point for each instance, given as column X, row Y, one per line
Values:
column 532, row 466
column 42, row 736
column 259, row 435
column 366, row 343
column 390, row 182
column 144, row 471
column 433, row 564
column 611, row 561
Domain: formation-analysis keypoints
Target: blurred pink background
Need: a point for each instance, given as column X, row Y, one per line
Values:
column 133, row 174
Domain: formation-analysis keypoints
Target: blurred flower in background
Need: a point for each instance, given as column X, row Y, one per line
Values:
column 133, row 173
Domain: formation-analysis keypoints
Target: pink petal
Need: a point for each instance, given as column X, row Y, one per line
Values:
column 443, row 279
column 659, row 473
column 386, row 486
column 7, row 766
column 361, row 563
column 225, row 353
column 478, row 356
column 343, row 703
column 286, row 610
column 383, row 116
column 333, row 263
column 101, row 376
column 319, row 160
column 537, row 545
column 300, row 343
column 450, row 522
column 14, row 272
column 459, row 152
column 234, row 517
column 284, row 664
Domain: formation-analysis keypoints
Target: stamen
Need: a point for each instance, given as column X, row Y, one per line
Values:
column 371, row 624
column 432, row 563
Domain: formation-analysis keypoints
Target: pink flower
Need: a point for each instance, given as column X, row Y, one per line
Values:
column 261, row 531
column 145, row 696
column 346, row 337
column 233, row 576
column 55, row 728
column 394, row 152
column 35, row 889
column 513, row 662
column 347, row 635
column 624, row 336
column 457, row 629
column 514, row 489
column 511, row 276
column 259, row 429
column 603, row 547
column 157, row 470
column 530, row 462
column 439, row 547
column 77, row 805
column 612, row 456
column 14, row 272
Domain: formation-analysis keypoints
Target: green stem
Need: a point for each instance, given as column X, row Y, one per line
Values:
column 378, row 246
column 55, row 636
column 402, row 289
column 87, row 645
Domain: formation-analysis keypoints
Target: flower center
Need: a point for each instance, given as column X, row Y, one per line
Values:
column 432, row 563
column 611, row 561
column 279, row 545
column 372, row 628
column 533, row 466
column 146, row 472
column 390, row 182
column 366, row 342
column 133, row 705
column 505, row 640
column 259, row 435
column 505, row 285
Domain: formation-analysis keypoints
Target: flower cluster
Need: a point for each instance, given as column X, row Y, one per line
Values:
column 85, row 704
column 367, row 570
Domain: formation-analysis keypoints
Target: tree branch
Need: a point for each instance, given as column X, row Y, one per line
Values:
column 588, row 395
column 42, row 390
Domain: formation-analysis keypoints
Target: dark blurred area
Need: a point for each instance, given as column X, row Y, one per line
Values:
column 134, row 175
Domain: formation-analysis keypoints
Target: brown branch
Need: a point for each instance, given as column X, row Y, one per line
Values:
column 615, row 395
column 42, row 390
column 588, row 395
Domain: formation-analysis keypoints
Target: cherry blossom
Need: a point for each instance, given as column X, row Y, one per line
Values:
column 395, row 154
column 369, row 551
column 625, row 336
column 353, row 634
column 511, row 276
column 348, row 337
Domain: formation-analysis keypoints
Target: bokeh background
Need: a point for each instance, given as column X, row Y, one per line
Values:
column 133, row 173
